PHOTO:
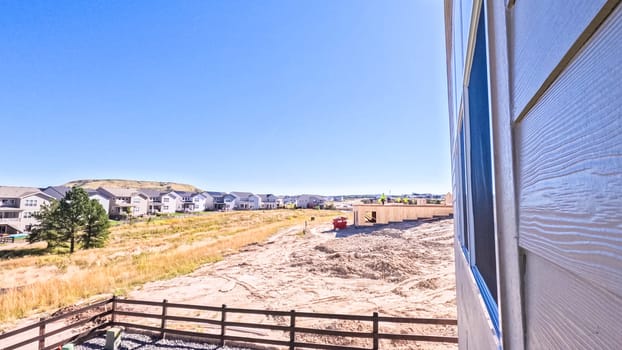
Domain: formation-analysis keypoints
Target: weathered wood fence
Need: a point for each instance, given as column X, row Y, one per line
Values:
column 115, row 315
column 7, row 239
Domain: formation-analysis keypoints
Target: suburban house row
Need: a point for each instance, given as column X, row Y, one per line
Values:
column 19, row 204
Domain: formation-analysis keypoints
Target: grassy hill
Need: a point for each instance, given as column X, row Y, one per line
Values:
column 163, row 185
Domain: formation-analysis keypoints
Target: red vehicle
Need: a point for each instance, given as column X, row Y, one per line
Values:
column 340, row 223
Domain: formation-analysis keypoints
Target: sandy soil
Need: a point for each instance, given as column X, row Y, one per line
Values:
column 403, row 269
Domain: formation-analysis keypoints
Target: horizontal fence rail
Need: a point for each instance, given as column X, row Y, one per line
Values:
column 113, row 312
column 7, row 240
column 44, row 333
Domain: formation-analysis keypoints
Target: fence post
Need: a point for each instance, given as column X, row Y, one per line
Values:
column 114, row 309
column 292, row 329
column 223, row 319
column 42, row 333
column 163, row 324
column 375, row 330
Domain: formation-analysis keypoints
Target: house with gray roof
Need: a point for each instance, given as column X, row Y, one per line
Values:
column 58, row 193
column 309, row 201
column 17, row 207
column 229, row 201
column 245, row 201
column 186, row 203
column 268, row 201
column 155, row 200
column 215, row 200
column 165, row 202
column 125, row 201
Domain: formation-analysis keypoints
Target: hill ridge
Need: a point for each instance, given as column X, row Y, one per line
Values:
column 140, row 184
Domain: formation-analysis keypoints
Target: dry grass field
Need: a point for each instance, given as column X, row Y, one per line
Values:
column 137, row 253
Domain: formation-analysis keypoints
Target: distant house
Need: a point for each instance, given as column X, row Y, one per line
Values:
column 309, row 201
column 102, row 199
column 170, row 202
column 215, row 200
column 268, row 201
column 198, row 202
column 186, row 203
column 155, row 200
column 165, row 202
column 59, row 192
column 124, row 201
column 17, row 207
column 288, row 201
column 245, row 201
column 279, row 202
column 229, row 201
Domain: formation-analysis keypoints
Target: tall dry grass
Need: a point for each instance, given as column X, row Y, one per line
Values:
column 140, row 253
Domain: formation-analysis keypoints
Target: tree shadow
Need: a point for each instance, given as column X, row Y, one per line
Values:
column 22, row 252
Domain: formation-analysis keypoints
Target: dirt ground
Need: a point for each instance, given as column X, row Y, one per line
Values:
column 402, row 269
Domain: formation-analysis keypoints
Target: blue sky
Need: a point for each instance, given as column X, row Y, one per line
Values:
column 317, row 96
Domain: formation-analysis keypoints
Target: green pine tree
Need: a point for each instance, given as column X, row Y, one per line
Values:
column 96, row 227
column 73, row 212
column 49, row 228
column 73, row 219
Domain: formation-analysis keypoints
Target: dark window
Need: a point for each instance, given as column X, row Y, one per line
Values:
column 463, row 200
column 475, row 178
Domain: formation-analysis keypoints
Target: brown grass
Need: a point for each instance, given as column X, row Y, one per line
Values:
column 137, row 254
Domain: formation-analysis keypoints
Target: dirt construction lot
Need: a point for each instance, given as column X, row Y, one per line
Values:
column 404, row 269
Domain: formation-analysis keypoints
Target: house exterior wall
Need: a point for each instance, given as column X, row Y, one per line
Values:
column 209, row 202
column 10, row 215
column 197, row 204
column 31, row 205
column 140, row 205
column 137, row 202
column 268, row 205
column 302, row 202
column 556, row 166
column 17, row 212
column 230, row 202
column 169, row 203
column 253, row 202
column 105, row 202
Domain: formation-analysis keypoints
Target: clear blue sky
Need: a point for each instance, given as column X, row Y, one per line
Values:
column 287, row 97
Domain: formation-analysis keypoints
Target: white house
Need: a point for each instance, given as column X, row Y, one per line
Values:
column 170, row 202
column 229, row 201
column 214, row 200
column 309, row 201
column 245, row 201
column 267, row 201
column 198, row 202
column 125, row 201
column 102, row 199
column 288, row 201
column 17, row 207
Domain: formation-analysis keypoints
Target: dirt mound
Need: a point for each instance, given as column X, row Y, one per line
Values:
column 389, row 254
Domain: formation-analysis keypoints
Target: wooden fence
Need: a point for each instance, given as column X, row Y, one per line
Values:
column 116, row 315
column 7, row 239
